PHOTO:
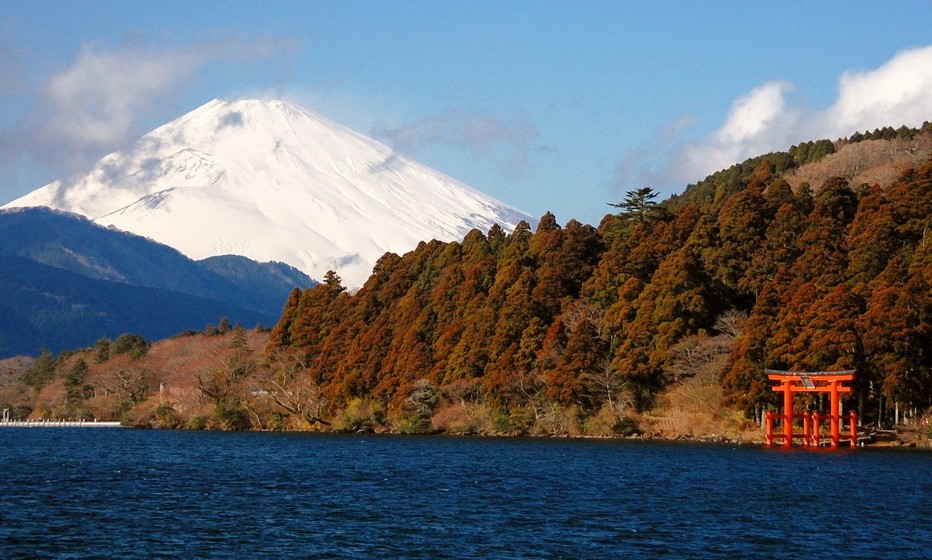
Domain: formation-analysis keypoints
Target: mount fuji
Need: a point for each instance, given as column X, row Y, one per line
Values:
column 273, row 181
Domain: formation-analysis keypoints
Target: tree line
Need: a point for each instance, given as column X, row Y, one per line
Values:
column 585, row 318
column 564, row 329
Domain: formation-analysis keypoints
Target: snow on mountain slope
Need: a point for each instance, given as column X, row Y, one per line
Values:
column 273, row 181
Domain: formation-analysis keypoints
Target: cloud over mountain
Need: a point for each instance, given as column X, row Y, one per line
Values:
column 506, row 141
column 99, row 102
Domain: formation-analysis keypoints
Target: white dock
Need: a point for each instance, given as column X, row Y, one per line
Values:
column 58, row 424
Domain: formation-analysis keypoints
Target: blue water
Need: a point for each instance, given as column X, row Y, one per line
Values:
column 93, row 493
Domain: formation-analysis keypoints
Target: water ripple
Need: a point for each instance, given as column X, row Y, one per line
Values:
column 144, row 494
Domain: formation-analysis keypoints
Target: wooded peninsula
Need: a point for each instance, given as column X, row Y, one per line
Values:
column 660, row 321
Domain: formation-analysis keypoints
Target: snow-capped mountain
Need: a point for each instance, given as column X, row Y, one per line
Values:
column 273, row 181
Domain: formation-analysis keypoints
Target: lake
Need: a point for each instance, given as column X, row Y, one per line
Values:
column 82, row 493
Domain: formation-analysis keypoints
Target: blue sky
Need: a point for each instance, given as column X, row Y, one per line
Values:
column 548, row 106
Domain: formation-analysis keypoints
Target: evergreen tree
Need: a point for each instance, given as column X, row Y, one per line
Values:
column 42, row 370
column 74, row 382
column 637, row 205
column 102, row 350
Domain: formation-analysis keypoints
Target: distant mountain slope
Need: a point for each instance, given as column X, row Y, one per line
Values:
column 17, row 334
column 264, row 284
column 74, row 243
column 273, row 181
column 52, row 308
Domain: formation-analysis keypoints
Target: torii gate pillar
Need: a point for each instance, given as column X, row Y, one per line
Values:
column 786, row 387
column 810, row 382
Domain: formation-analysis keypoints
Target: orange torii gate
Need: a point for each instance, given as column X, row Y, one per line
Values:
column 790, row 382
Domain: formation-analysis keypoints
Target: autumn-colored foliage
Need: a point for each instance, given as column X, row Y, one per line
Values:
column 826, row 280
column 571, row 326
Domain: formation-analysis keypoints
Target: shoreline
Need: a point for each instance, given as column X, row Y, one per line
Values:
column 907, row 439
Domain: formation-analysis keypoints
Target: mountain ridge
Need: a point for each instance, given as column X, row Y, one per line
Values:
column 44, row 251
column 72, row 242
column 56, row 309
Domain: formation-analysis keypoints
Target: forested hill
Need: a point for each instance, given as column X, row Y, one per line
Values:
column 836, row 277
column 787, row 261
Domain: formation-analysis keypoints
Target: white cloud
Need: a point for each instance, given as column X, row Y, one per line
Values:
column 757, row 123
column 506, row 142
column 897, row 93
column 96, row 102
column 106, row 98
column 753, row 117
